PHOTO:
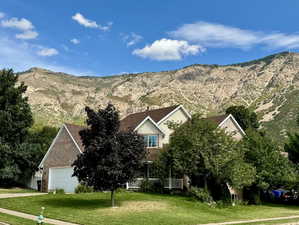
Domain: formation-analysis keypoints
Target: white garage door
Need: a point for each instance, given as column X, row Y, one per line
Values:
column 61, row 178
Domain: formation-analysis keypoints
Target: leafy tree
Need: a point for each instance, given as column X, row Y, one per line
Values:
column 198, row 147
column 111, row 158
column 18, row 163
column 15, row 114
column 292, row 148
column 42, row 136
column 245, row 117
column 273, row 170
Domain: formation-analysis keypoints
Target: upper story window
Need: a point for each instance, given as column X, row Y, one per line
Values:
column 151, row 141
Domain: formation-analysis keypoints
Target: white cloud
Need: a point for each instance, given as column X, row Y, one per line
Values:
column 131, row 39
column 20, row 24
column 167, row 49
column 21, row 56
column 2, row 15
column 47, row 52
column 27, row 35
column 218, row 35
column 280, row 40
column 75, row 41
column 23, row 25
column 89, row 23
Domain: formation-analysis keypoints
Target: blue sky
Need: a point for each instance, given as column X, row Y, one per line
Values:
column 113, row 37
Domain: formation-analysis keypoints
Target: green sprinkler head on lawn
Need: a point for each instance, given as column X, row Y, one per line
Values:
column 40, row 218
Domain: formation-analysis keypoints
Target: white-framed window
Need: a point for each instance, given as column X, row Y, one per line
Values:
column 151, row 140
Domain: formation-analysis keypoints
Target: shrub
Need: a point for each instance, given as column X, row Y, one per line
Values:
column 201, row 194
column 81, row 188
column 60, row 191
column 151, row 186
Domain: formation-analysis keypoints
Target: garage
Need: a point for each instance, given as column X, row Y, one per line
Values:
column 61, row 178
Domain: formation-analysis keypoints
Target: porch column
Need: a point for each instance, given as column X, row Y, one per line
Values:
column 169, row 180
column 147, row 170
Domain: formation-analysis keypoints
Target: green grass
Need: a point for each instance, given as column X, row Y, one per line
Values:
column 139, row 208
column 13, row 220
column 15, row 190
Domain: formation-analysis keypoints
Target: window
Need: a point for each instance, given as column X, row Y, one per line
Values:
column 151, row 141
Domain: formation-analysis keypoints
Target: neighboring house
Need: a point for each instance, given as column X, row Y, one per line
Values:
column 56, row 166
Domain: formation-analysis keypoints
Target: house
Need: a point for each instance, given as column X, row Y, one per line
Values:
column 56, row 166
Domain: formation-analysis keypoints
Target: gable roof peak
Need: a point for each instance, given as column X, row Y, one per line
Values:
column 131, row 121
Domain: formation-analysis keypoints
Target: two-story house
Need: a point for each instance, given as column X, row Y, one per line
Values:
column 56, row 170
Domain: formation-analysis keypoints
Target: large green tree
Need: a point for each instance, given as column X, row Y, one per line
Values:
column 42, row 136
column 292, row 148
column 15, row 119
column 15, row 113
column 244, row 116
column 111, row 157
column 198, row 147
column 273, row 169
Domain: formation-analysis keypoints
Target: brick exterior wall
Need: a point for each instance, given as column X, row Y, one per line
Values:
column 62, row 154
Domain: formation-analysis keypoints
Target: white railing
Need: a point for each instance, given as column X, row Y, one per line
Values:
column 172, row 183
column 169, row 183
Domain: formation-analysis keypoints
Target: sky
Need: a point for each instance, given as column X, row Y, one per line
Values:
column 97, row 37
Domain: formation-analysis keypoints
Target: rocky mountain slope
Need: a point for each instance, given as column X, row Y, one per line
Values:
column 269, row 85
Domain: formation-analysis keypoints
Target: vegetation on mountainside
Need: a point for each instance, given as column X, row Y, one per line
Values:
column 206, row 89
column 283, row 117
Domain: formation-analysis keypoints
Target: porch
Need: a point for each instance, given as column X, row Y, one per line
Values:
column 169, row 183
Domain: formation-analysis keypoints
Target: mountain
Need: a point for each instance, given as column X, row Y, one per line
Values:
column 269, row 85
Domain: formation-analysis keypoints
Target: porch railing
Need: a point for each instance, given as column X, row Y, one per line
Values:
column 169, row 183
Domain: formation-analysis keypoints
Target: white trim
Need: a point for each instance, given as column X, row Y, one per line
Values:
column 72, row 138
column 153, row 122
column 235, row 122
column 173, row 111
column 51, row 146
column 54, row 141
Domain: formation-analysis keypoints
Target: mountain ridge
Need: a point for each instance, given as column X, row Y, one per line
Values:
column 269, row 85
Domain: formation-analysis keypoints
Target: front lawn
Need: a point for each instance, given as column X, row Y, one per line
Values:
column 15, row 220
column 139, row 208
column 15, row 190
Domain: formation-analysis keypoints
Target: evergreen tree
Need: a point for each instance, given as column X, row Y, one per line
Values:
column 15, row 113
column 110, row 158
column 15, row 120
column 292, row 148
column 245, row 117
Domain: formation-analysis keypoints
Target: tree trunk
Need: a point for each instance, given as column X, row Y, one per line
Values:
column 112, row 198
column 206, row 182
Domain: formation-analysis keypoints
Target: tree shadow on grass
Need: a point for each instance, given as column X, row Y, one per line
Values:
column 77, row 203
column 294, row 206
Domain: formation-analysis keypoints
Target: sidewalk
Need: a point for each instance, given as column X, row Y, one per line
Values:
column 15, row 195
column 256, row 221
column 33, row 217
